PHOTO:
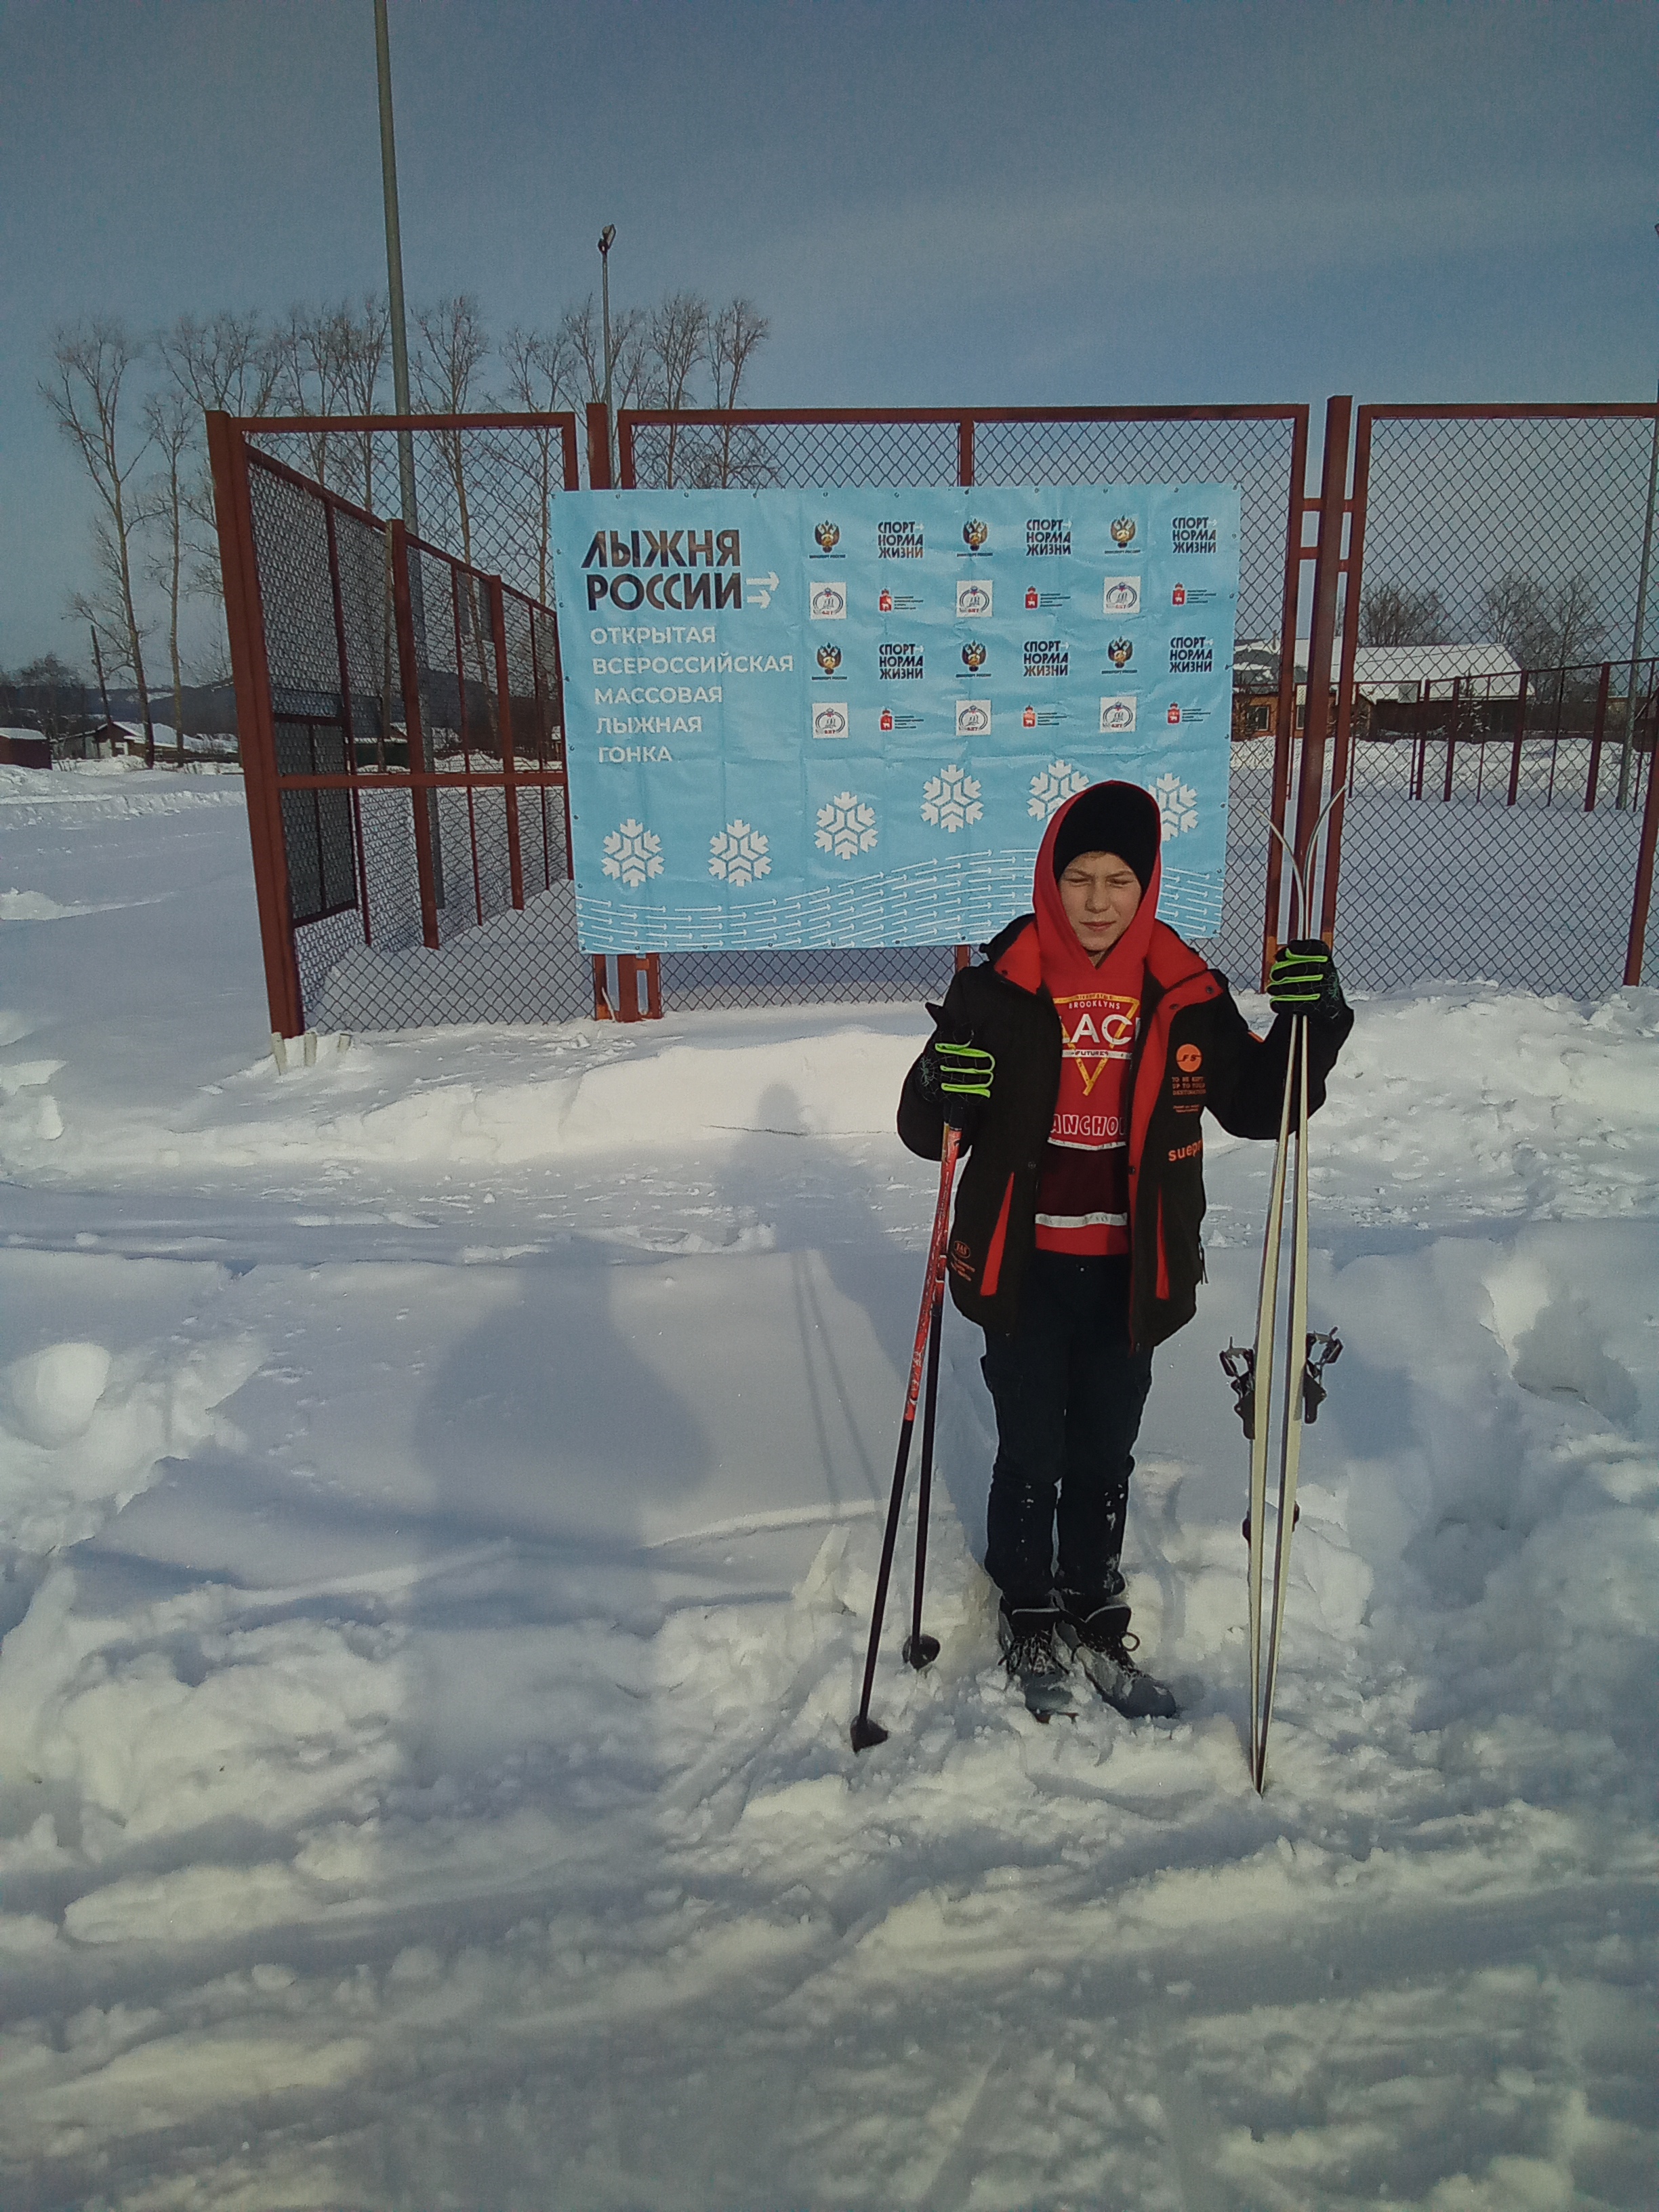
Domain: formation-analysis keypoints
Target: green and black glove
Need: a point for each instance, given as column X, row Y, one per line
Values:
column 958, row 1074
column 1304, row 980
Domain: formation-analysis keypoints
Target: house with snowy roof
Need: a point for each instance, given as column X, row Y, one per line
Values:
column 1387, row 678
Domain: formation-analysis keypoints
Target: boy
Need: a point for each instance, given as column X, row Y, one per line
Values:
column 1078, row 1060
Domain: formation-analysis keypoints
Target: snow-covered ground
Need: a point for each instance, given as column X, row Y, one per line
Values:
column 440, row 1494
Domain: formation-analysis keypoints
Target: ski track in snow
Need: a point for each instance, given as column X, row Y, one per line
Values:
column 440, row 1492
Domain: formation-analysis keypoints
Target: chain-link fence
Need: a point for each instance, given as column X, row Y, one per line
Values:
column 1494, row 824
column 1483, row 838
column 1260, row 450
column 481, row 487
column 401, row 721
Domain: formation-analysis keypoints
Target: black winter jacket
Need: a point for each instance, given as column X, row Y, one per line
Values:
column 1194, row 1050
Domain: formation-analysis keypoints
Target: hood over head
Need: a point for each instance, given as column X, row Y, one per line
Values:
column 1107, row 818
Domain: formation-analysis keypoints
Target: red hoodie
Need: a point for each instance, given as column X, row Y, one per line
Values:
column 1083, row 1192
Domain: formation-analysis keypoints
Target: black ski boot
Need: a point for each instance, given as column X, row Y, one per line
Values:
column 1035, row 1661
column 1097, row 1628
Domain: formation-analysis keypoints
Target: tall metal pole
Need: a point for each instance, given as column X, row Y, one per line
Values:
column 1638, row 636
column 607, row 238
column 394, row 269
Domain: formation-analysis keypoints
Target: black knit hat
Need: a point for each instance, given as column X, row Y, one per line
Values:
column 1111, row 818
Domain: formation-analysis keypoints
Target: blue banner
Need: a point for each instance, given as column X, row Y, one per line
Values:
column 844, row 718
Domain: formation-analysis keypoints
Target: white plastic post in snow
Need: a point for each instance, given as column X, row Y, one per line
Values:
column 279, row 1051
column 311, row 1047
column 343, row 1042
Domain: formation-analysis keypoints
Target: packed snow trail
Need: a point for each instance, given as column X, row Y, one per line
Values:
column 440, row 1492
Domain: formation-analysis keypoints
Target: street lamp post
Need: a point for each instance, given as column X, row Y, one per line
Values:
column 607, row 238
column 394, row 268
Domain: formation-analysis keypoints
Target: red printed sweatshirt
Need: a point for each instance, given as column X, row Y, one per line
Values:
column 1083, row 1192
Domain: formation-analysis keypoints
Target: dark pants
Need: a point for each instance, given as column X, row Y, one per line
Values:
column 1068, row 1392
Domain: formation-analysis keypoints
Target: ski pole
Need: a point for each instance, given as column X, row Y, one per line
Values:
column 865, row 1732
column 1290, row 1419
column 921, row 1651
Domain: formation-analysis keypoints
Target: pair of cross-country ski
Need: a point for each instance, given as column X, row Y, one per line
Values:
column 1283, row 1343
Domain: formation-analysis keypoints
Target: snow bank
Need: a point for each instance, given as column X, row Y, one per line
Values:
column 423, row 1766
column 85, row 1425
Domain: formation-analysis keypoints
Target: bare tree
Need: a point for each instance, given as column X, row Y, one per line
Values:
column 51, row 693
column 312, row 345
column 542, row 376
column 1557, row 626
column 90, row 365
column 231, row 363
column 365, row 344
column 1390, row 614
column 735, row 335
column 1576, row 618
column 171, row 421
column 677, row 340
column 454, row 347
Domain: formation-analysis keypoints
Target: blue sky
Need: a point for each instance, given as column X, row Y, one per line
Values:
column 935, row 201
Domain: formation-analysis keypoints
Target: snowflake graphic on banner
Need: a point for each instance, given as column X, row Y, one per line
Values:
column 633, row 853
column 1053, row 785
column 846, row 826
column 738, row 855
column 1177, row 802
column 950, row 800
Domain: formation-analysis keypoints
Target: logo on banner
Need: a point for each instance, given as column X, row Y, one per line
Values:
column 1192, row 533
column 1178, row 804
column 1117, row 713
column 974, row 533
column 1120, row 652
column 1173, row 714
column 1047, row 656
column 827, row 602
column 1122, row 596
column 739, row 855
column 829, row 718
column 631, row 854
column 846, row 826
column 900, row 663
column 1047, row 536
column 1123, row 531
column 1178, row 597
column 829, row 658
column 898, row 541
column 951, row 799
column 884, row 604
column 886, row 719
column 1052, row 786
column 973, row 601
column 973, row 718
column 1028, row 720
column 972, row 656
column 827, row 537
column 1191, row 656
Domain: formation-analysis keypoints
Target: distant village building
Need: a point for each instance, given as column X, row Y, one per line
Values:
column 24, row 749
column 1390, row 680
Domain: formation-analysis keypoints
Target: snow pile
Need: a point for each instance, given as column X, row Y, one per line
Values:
column 92, row 791
column 35, row 906
column 443, row 1490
